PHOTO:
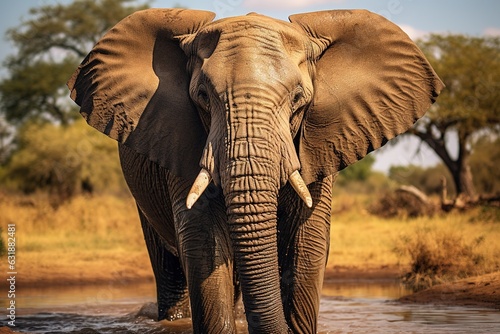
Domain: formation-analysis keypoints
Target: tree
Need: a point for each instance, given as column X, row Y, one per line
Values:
column 359, row 171
column 49, row 47
column 484, row 161
column 63, row 161
column 469, row 105
column 5, row 134
column 360, row 178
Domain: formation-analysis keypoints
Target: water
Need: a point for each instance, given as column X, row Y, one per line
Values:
column 346, row 307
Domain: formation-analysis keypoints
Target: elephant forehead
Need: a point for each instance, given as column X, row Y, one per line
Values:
column 251, row 19
column 252, row 48
column 255, row 30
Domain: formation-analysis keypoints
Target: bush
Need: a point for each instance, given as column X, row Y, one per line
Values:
column 426, row 179
column 63, row 161
column 437, row 256
column 402, row 204
column 360, row 171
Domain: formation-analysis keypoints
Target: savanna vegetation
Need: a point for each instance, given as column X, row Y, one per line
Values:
column 425, row 250
column 60, row 180
column 97, row 238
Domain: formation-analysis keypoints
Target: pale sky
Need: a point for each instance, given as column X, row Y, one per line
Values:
column 416, row 17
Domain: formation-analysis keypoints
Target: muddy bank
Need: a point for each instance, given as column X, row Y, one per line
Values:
column 363, row 273
column 137, row 269
column 86, row 270
column 479, row 291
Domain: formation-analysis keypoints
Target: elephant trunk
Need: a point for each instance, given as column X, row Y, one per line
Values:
column 251, row 190
column 251, row 175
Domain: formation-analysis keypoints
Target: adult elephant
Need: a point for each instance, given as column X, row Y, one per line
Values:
column 254, row 103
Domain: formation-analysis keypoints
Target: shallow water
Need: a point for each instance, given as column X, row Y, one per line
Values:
column 346, row 307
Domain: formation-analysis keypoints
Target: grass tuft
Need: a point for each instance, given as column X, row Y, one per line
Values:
column 447, row 250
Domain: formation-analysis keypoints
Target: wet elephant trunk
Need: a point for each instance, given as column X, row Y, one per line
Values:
column 251, row 180
column 252, row 203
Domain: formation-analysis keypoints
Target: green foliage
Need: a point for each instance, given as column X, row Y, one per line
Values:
column 67, row 159
column 34, row 91
column 360, row 171
column 64, row 161
column 470, row 68
column 359, row 178
column 50, row 44
column 5, row 137
column 485, row 162
column 73, row 27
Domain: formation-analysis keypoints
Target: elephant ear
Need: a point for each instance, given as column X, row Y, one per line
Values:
column 371, row 84
column 133, row 87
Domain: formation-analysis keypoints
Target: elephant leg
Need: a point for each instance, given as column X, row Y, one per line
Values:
column 304, row 240
column 171, row 287
column 206, row 256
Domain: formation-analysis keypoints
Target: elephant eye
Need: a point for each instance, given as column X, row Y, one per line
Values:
column 297, row 98
column 203, row 98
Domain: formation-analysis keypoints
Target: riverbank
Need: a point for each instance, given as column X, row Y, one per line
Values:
column 478, row 291
column 136, row 268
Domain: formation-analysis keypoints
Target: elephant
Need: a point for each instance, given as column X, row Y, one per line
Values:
column 230, row 135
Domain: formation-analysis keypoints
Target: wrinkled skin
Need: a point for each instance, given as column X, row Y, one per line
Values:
column 249, row 101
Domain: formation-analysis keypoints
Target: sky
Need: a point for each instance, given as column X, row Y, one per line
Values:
column 416, row 17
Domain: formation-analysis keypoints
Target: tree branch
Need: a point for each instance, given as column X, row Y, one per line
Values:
column 437, row 146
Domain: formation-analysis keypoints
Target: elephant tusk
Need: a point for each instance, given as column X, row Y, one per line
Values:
column 300, row 187
column 199, row 186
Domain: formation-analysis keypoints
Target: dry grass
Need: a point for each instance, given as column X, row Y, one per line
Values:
column 359, row 239
column 451, row 247
column 427, row 250
column 92, row 239
column 87, row 239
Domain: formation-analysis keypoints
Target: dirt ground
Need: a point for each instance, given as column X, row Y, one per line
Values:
column 114, row 268
column 479, row 291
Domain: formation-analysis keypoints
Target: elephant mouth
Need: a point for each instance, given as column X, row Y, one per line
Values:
column 203, row 180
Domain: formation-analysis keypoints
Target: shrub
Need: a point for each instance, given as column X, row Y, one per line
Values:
column 360, row 171
column 438, row 256
column 426, row 179
column 63, row 161
column 401, row 204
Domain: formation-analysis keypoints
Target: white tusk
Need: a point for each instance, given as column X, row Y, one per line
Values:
column 300, row 187
column 199, row 186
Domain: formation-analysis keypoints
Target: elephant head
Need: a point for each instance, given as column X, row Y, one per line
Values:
column 254, row 103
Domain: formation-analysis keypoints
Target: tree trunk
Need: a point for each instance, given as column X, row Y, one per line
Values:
column 459, row 168
column 464, row 183
column 463, row 176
